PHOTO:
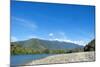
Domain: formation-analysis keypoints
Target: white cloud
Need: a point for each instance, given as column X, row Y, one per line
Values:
column 13, row 39
column 51, row 34
column 79, row 42
column 25, row 23
column 61, row 36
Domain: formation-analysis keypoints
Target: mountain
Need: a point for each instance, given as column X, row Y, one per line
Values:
column 39, row 44
column 90, row 46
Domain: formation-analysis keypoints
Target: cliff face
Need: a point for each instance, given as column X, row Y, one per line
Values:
column 90, row 46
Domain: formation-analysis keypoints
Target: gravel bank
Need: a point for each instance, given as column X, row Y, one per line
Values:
column 65, row 58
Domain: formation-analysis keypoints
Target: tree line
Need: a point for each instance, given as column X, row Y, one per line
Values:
column 18, row 49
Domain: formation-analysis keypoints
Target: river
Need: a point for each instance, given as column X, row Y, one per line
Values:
column 23, row 59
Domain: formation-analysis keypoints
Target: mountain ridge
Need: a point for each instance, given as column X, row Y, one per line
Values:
column 39, row 44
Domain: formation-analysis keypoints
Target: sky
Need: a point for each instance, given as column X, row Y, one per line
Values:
column 62, row 22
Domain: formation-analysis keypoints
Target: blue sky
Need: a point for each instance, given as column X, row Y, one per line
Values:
column 71, row 23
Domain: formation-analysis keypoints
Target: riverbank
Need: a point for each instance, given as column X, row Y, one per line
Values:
column 65, row 58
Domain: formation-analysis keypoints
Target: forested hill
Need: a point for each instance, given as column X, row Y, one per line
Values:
column 39, row 44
